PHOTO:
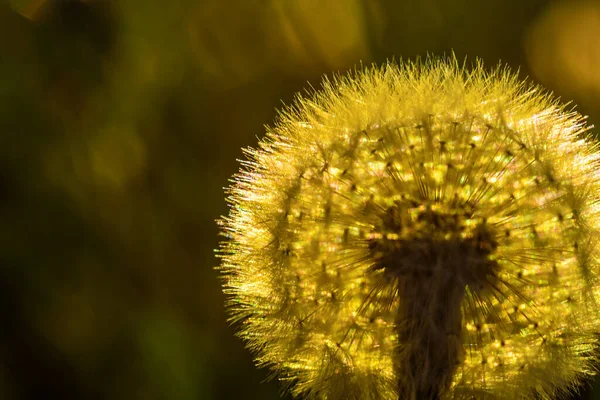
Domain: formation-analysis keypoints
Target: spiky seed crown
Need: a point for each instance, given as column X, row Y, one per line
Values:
column 416, row 212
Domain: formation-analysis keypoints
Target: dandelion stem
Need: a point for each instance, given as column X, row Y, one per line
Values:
column 428, row 329
column 431, row 269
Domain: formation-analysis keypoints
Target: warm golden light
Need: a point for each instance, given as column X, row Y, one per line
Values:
column 419, row 230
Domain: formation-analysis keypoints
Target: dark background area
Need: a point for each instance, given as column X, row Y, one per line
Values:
column 120, row 124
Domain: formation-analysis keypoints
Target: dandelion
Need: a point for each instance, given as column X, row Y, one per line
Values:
column 419, row 231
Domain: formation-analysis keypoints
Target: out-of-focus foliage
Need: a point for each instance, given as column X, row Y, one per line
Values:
column 120, row 123
column 563, row 48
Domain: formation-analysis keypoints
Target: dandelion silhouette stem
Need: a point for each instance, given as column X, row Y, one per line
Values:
column 419, row 231
column 429, row 361
column 431, row 272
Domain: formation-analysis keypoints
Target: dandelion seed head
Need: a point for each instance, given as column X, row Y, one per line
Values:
column 418, row 229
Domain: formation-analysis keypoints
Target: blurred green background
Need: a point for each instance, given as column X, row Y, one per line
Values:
column 121, row 122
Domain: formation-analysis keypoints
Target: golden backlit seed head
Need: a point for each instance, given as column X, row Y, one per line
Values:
column 419, row 230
